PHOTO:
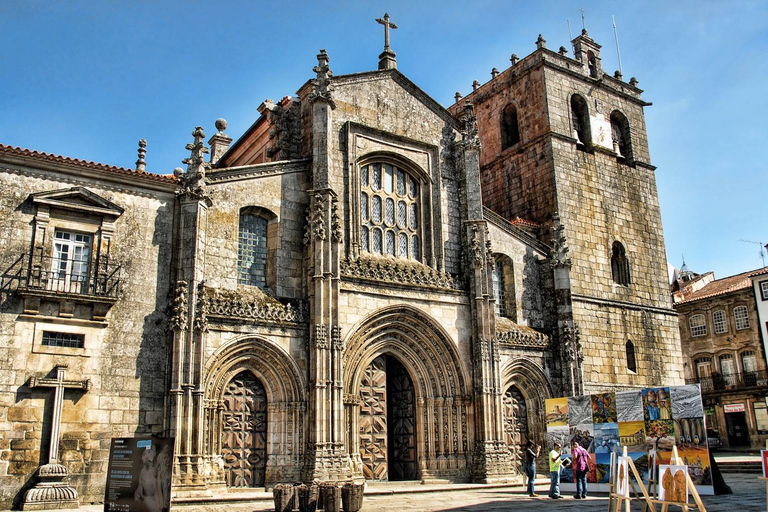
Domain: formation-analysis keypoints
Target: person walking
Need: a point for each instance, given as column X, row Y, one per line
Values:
column 530, row 460
column 580, row 468
column 555, row 464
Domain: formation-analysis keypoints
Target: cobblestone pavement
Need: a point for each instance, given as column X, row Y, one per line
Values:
column 748, row 495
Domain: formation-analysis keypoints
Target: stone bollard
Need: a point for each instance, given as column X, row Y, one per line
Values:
column 284, row 497
column 330, row 492
column 352, row 496
column 308, row 495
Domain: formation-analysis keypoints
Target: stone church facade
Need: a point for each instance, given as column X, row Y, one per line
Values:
column 364, row 285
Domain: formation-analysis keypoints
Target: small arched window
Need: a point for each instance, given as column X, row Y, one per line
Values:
column 726, row 364
column 498, row 288
column 252, row 249
column 620, row 265
column 622, row 142
column 390, row 211
column 592, row 63
column 631, row 361
column 510, row 129
column 580, row 121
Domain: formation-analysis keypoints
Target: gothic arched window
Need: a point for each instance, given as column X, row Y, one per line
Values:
column 631, row 361
column 390, row 211
column 622, row 143
column 252, row 247
column 620, row 265
column 510, row 129
column 592, row 63
column 580, row 121
column 498, row 288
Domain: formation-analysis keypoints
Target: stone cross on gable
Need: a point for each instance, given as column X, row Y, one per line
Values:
column 387, row 58
column 59, row 384
column 387, row 25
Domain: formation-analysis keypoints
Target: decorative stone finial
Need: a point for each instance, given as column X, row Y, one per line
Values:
column 457, row 96
column 563, row 51
column 322, row 84
column 560, row 249
column 178, row 172
column 194, row 178
column 514, row 59
column 633, row 82
column 470, row 139
column 540, row 43
column 617, row 75
column 220, row 141
column 387, row 58
column 141, row 165
column 494, row 73
column 475, row 85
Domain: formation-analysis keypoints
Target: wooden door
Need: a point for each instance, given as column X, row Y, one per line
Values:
column 402, row 432
column 373, row 420
column 244, row 431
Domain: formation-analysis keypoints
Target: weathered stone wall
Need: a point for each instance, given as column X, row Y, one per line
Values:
column 125, row 357
column 281, row 189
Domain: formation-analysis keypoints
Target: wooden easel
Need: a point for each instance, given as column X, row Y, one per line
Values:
column 616, row 500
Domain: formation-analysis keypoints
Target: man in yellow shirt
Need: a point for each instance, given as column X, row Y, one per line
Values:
column 555, row 464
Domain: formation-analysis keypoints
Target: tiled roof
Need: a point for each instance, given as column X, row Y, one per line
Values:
column 517, row 221
column 47, row 157
column 759, row 272
column 724, row 286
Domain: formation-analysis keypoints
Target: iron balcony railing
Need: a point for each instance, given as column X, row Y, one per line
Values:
column 719, row 382
column 59, row 276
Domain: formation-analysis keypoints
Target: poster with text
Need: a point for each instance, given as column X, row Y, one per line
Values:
column 139, row 475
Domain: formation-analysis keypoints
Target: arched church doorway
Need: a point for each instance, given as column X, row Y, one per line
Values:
column 387, row 421
column 244, row 431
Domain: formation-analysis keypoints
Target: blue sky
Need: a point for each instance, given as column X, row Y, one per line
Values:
column 88, row 79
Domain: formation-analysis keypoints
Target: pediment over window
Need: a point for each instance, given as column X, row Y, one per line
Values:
column 78, row 199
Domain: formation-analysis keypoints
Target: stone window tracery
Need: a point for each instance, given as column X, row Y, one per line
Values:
column 390, row 208
column 252, row 250
column 498, row 288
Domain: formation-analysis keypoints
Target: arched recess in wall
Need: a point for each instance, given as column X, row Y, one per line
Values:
column 621, row 135
column 581, row 130
column 504, row 290
column 444, row 430
column 510, row 127
column 631, row 356
column 257, row 361
column 620, row 270
column 526, row 379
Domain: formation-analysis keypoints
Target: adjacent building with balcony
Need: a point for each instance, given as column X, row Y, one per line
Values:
column 723, row 351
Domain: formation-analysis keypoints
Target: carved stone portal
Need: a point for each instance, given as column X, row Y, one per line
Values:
column 387, row 422
column 244, row 431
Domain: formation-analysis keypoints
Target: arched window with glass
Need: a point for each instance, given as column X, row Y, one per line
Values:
column 254, row 249
column 390, row 211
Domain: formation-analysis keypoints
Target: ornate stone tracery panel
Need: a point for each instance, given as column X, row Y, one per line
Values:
column 244, row 431
column 373, row 420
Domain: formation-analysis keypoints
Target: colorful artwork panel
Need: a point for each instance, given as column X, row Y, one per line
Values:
column 686, row 401
column 690, row 433
column 629, row 406
column 604, row 408
column 673, row 485
column 641, row 462
column 584, row 435
column 560, row 435
column 697, row 461
column 632, row 435
column 579, row 410
column 660, row 435
column 606, row 437
column 656, row 405
column 557, row 412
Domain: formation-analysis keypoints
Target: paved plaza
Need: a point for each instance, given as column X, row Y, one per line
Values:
column 748, row 495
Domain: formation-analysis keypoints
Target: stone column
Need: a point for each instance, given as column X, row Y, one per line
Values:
column 327, row 458
column 491, row 460
column 189, row 321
